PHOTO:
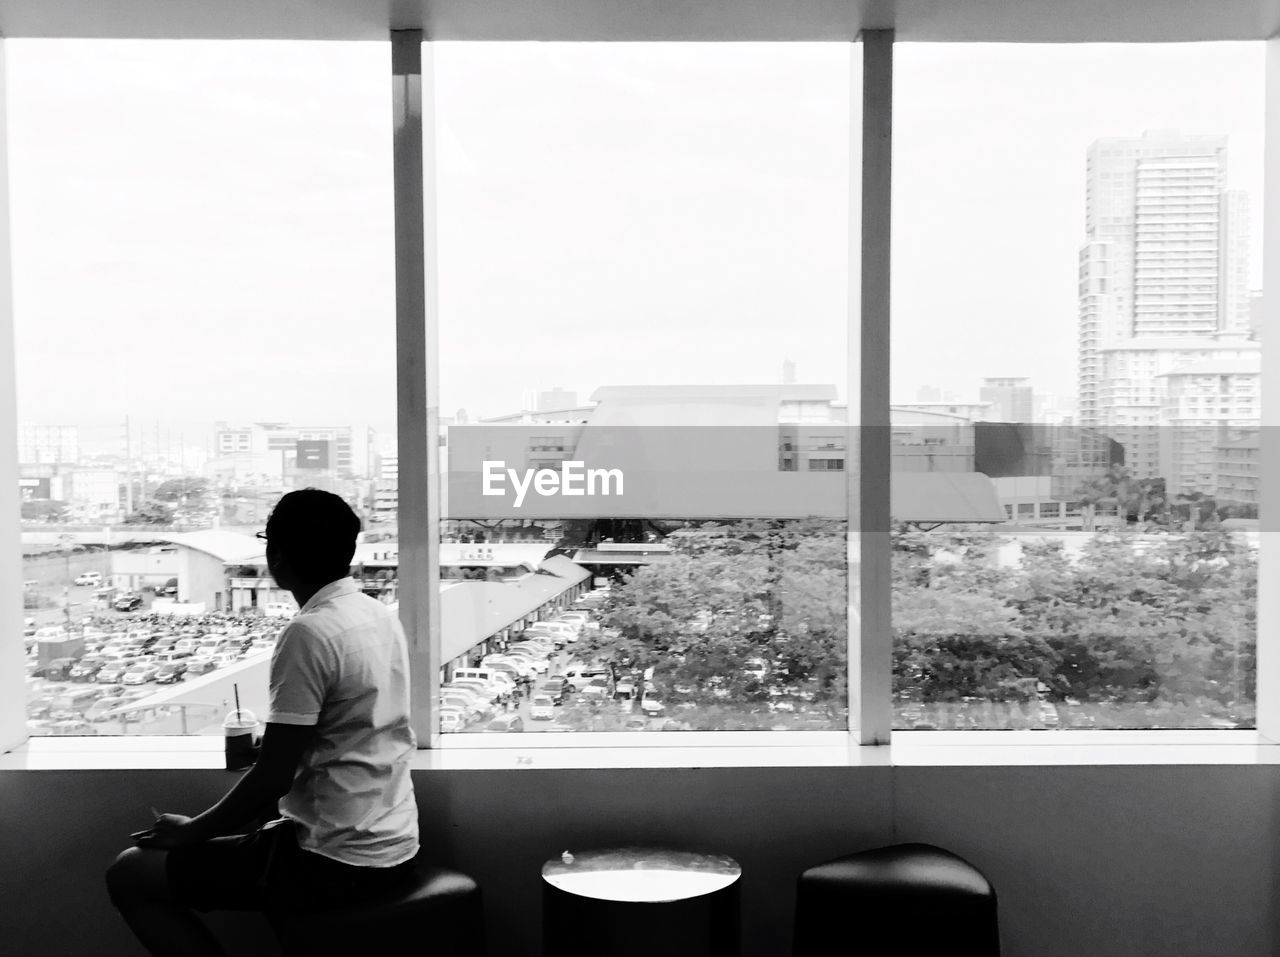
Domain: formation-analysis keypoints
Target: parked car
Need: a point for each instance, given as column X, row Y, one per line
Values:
column 534, row 664
column 537, row 661
column 582, row 675
column 86, row 669
column 171, row 672
column 140, row 673
column 537, row 637
column 506, row 722
column 472, row 708
column 127, row 603
column 651, row 702
column 508, row 667
column 114, row 671
column 98, row 710
column 542, row 708
column 452, row 720
column 72, row 702
column 555, row 688
column 485, row 674
column 625, row 688
column 491, row 690
column 596, row 688
column 213, row 645
column 554, row 637
column 59, row 669
column 89, row 578
column 201, row 666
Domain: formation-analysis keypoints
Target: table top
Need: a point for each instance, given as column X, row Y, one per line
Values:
column 641, row 873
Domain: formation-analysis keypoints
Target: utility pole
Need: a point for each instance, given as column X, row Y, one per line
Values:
column 66, row 541
column 142, row 462
column 128, row 465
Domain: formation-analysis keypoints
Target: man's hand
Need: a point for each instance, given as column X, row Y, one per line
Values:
column 169, row 830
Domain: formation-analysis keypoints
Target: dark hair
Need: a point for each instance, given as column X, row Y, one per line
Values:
column 316, row 531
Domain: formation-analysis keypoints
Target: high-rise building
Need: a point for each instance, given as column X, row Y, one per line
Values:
column 1011, row 399
column 1202, row 402
column 1163, row 282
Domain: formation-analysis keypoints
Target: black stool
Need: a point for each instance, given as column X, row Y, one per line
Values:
column 916, row 900
column 441, row 908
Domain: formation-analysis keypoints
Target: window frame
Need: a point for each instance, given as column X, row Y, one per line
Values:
column 870, row 637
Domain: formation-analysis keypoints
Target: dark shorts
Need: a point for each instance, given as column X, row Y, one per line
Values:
column 267, row 870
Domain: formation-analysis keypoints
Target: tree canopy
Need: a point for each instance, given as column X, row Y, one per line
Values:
column 1147, row 616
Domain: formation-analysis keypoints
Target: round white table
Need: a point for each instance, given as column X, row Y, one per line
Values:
column 640, row 900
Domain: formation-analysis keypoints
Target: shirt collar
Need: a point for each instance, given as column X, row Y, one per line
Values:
column 343, row 586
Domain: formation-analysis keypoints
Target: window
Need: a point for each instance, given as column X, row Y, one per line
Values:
column 708, row 216
column 656, row 235
column 826, row 465
column 1112, row 614
column 195, row 227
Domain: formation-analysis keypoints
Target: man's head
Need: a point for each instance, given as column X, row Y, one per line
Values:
column 311, row 537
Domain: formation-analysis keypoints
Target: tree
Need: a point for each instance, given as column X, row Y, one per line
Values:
column 177, row 489
column 150, row 513
column 1160, row 620
column 775, row 590
column 1137, row 500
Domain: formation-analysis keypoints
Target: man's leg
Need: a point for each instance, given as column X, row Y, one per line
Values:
column 139, row 887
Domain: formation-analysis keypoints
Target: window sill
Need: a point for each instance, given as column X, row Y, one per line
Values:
column 1040, row 748
column 730, row 749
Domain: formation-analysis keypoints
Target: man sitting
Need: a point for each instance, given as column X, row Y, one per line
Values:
column 335, row 756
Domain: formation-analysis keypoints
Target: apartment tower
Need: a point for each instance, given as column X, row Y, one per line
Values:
column 1163, row 278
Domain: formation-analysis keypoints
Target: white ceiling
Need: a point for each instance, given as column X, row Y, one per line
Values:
column 921, row 20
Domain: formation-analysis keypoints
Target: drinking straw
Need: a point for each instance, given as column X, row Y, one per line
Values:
column 236, row 689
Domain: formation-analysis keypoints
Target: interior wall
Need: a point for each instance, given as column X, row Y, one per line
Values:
column 1106, row 861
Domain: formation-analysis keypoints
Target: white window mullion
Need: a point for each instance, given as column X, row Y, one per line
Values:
column 1268, row 647
column 871, row 652
column 413, row 99
column 13, row 698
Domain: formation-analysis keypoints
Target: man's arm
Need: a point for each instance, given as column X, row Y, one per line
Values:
column 267, row 781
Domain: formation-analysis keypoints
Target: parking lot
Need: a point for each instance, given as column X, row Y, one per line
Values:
column 82, row 680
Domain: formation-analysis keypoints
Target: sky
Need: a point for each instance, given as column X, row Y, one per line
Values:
column 203, row 231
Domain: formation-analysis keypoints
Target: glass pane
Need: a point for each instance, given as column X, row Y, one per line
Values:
column 202, row 247
column 643, row 311
column 1077, row 376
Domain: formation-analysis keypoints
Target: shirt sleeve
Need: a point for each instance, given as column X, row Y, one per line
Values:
column 298, row 679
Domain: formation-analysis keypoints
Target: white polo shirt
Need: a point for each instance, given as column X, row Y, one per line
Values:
column 342, row 664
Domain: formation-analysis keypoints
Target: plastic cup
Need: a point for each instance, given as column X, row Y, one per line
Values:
column 240, row 729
